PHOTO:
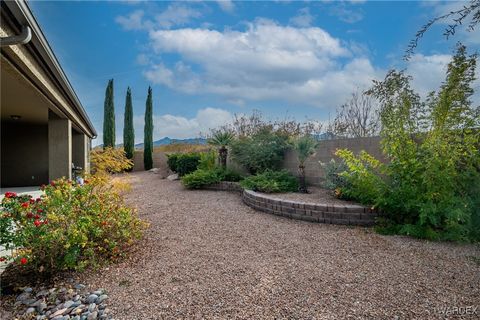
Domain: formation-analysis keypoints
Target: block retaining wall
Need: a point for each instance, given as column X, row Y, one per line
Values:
column 332, row 214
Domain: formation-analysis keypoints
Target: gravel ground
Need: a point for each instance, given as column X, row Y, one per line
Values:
column 206, row 255
column 314, row 195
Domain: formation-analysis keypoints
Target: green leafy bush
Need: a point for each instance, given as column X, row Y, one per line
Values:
column 363, row 182
column 183, row 163
column 70, row 227
column 205, row 177
column 271, row 181
column 333, row 178
column 263, row 150
column 172, row 161
column 207, row 160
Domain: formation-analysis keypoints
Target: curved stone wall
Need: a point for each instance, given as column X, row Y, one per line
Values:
column 313, row 212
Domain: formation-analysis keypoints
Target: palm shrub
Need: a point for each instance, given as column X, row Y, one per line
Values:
column 222, row 139
column 305, row 147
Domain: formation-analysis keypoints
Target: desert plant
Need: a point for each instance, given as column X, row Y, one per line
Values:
column 187, row 163
column 271, row 181
column 305, row 147
column 109, row 160
column 207, row 160
column 204, row 177
column 333, row 178
column 172, row 161
column 71, row 227
column 222, row 139
column 264, row 150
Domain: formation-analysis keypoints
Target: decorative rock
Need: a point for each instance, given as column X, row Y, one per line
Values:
column 30, row 310
column 28, row 290
column 101, row 298
column 79, row 286
column 92, row 307
column 91, row 298
column 59, row 312
column 42, row 306
column 92, row 316
column 68, row 304
column 23, row 296
column 173, row 177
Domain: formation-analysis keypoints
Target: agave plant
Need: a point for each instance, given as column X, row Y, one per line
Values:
column 305, row 147
column 222, row 139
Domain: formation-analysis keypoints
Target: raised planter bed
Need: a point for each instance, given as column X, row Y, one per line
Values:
column 347, row 214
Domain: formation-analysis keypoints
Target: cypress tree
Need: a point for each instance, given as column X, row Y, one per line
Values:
column 109, row 117
column 148, row 133
column 128, row 132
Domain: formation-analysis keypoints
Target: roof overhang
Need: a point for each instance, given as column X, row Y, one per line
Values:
column 19, row 14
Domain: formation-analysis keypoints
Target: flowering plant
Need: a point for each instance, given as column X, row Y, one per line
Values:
column 70, row 227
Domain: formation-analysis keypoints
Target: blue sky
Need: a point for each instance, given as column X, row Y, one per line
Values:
column 207, row 60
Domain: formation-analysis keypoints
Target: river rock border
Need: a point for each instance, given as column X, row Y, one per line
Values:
column 313, row 212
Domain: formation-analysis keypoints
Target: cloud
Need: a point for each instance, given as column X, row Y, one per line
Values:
column 266, row 61
column 226, row 5
column 181, row 127
column 428, row 72
column 174, row 15
column 345, row 14
column 303, row 18
column 134, row 21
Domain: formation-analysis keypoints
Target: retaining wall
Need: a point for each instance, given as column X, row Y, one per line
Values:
column 332, row 214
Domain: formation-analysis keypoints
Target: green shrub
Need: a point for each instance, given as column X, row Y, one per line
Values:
column 271, row 181
column 71, row 227
column 172, row 161
column 207, row 160
column 183, row 163
column 263, row 150
column 205, row 177
column 363, row 182
column 333, row 178
column 201, row 178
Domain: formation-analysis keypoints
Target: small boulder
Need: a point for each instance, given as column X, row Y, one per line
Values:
column 173, row 177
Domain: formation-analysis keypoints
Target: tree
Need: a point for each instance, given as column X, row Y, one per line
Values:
column 459, row 16
column 148, row 133
column 358, row 117
column 128, row 132
column 305, row 147
column 109, row 117
column 222, row 140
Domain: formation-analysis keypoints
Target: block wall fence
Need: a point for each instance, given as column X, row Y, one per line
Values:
column 314, row 171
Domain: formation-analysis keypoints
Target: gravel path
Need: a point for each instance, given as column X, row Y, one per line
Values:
column 206, row 255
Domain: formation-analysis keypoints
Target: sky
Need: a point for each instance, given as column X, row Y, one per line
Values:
column 209, row 60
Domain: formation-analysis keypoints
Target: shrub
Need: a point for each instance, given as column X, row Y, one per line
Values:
column 183, row 163
column 264, row 150
column 363, row 181
column 70, row 227
column 205, row 177
column 172, row 161
column 333, row 178
column 271, row 181
column 207, row 160
column 187, row 163
column 110, row 160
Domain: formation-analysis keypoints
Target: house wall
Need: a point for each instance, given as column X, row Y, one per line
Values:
column 24, row 155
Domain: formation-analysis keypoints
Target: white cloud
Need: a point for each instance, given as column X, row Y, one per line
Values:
column 266, row 61
column 174, row 15
column 428, row 72
column 226, row 5
column 181, row 127
column 345, row 14
column 134, row 21
column 142, row 59
column 303, row 18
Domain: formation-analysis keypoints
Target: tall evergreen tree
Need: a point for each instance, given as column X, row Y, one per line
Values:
column 148, row 133
column 109, row 117
column 128, row 132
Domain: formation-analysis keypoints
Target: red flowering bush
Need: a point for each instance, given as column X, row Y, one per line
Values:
column 70, row 227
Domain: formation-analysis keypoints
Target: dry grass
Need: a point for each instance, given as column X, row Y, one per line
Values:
column 182, row 147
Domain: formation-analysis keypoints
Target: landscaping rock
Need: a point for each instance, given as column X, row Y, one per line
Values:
column 91, row 298
column 173, row 177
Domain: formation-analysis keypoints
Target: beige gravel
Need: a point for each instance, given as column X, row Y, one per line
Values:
column 206, row 255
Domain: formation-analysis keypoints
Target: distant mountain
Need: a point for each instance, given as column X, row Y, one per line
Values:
column 167, row 140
